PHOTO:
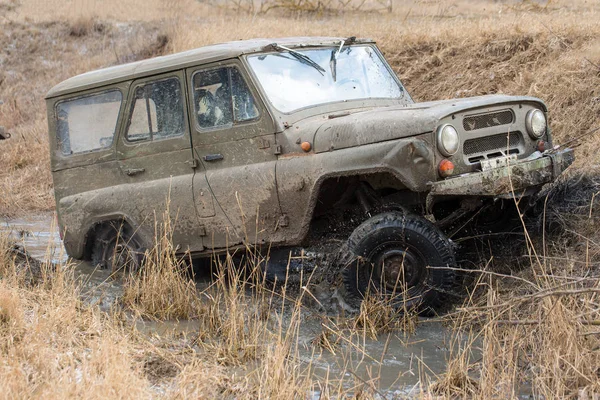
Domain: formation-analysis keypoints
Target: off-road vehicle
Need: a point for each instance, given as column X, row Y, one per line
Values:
column 289, row 143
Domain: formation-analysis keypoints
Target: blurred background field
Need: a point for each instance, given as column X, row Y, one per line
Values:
column 439, row 48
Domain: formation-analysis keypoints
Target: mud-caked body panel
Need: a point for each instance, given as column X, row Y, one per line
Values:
column 81, row 212
column 300, row 177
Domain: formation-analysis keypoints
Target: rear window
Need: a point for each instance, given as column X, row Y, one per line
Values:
column 88, row 123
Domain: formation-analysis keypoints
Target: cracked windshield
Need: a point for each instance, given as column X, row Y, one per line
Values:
column 296, row 79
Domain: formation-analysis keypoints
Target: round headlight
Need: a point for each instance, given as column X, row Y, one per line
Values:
column 447, row 140
column 536, row 123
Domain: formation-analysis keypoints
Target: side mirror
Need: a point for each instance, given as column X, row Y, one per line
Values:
column 3, row 133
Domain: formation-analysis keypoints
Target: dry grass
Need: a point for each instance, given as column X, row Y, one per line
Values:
column 163, row 288
column 247, row 344
column 537, row 329
column 540, row 329
column 52, row 345
column 237, row 319
column 381, row 315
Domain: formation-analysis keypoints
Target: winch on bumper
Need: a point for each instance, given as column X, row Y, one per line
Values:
column 515, row 176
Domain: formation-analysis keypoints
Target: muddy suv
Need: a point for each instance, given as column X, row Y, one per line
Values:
column 290, row 143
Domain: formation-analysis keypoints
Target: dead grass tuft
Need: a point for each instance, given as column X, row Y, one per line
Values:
column 86, row 26
column 456, row 380
column 328, row 339
column 11, row 311
column 234, row 326
column 155, row 48
column 380, row 315
column 162, row 288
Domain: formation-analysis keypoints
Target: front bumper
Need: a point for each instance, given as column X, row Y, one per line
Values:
column 515, row 178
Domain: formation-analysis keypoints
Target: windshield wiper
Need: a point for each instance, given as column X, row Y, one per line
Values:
column 300, row 57
column 335, row 54
column 333, row 60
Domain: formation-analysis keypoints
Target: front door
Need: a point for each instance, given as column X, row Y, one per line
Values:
column 156, row 161
column 233, row 138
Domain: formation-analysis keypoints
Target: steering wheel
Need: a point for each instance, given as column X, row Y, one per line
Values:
column 357, row 84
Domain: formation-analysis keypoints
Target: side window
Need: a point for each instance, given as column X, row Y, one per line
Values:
column 222, row 98
column 87, row 123
column 157, row 111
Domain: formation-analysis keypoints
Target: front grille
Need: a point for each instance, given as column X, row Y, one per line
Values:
column 493, row 144
column 480, row 121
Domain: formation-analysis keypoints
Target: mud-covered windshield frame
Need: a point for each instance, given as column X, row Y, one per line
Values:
column 404, row 95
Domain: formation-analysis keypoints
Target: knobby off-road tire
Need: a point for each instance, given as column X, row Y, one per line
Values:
column 118, row 249
column 389, row 254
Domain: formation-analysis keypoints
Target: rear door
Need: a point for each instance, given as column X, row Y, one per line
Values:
column 156, row 160
column 233, row 137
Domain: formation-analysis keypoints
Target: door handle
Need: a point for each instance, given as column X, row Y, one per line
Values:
column 213, row 157
column 134, row 171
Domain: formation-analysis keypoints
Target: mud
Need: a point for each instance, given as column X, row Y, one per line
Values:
column 397, row 359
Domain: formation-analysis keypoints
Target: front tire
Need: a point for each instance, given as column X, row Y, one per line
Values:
column 389, row 255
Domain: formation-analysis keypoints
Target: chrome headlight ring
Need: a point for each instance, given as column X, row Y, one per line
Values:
column 447, row 140
column 536, row 124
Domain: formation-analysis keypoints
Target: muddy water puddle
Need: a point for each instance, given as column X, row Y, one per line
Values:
column 38, row 234
column 398, row 359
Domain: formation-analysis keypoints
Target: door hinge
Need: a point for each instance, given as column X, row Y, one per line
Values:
column 202, row 231
column 193, row 163
column 277, row 150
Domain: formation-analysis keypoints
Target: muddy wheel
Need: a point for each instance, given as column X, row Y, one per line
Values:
column 389, row 255
column 118, row 249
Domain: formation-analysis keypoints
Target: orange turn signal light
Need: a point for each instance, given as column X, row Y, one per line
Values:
column 446, row 168
column 306, row 146
column 541, row 146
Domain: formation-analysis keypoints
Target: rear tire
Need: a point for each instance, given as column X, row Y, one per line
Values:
column 117, row 248
column 389, row 254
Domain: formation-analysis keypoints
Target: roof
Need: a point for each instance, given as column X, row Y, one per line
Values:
column 184, row 59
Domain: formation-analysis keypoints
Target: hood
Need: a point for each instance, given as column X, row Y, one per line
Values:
column 397, row 122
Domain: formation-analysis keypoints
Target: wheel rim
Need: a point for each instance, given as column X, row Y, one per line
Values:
column 397, row 268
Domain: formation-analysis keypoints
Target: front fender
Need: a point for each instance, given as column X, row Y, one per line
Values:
column 300, row 176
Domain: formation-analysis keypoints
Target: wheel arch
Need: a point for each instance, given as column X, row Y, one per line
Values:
column 97, row 225
column 334, row 189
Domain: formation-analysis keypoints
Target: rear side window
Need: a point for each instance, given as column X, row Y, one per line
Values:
column 157, row 111
column 88, row 123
